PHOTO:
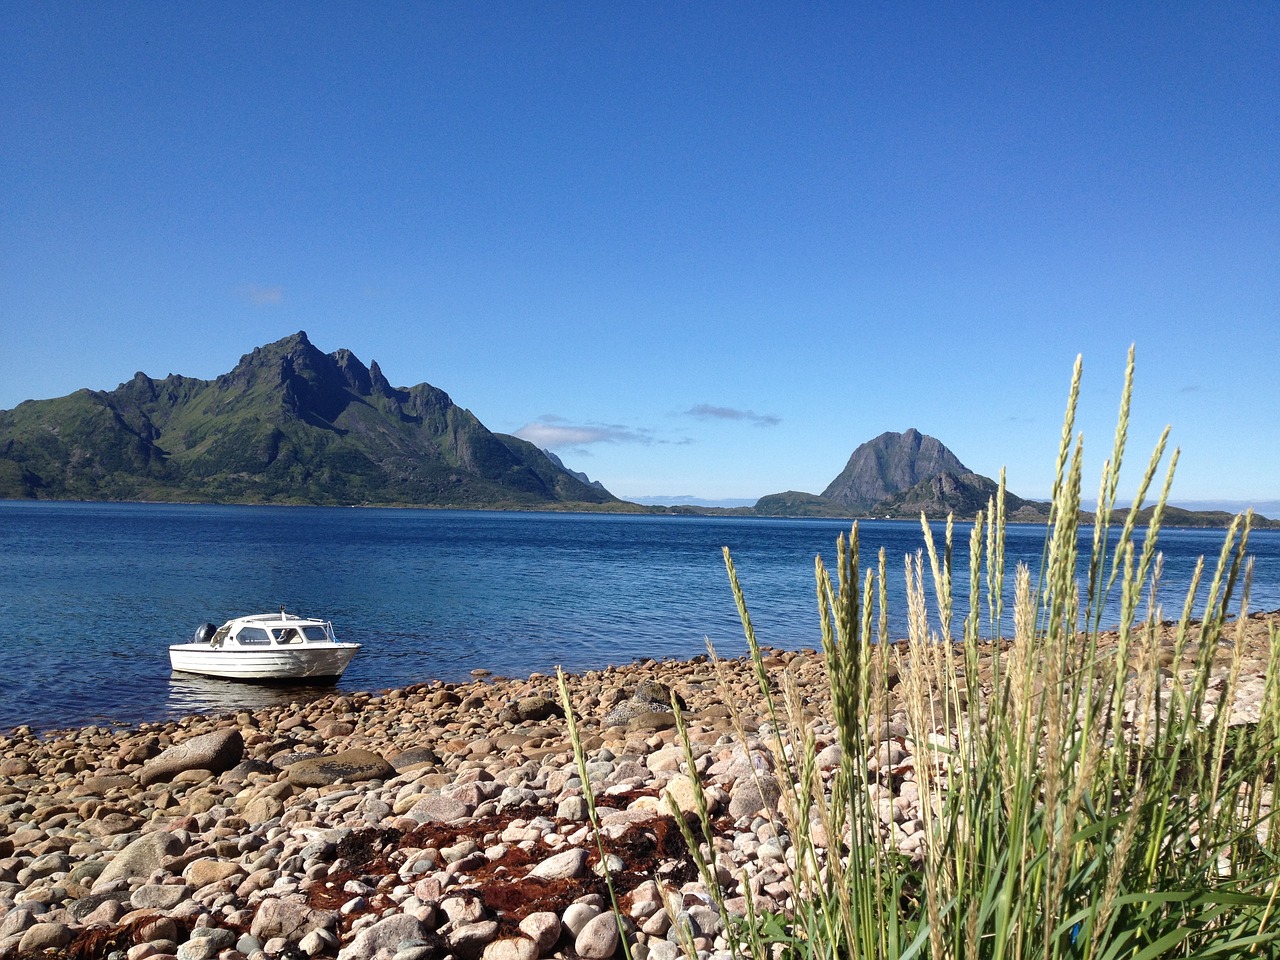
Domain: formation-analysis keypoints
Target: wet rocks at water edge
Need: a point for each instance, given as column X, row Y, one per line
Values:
column 415, row 824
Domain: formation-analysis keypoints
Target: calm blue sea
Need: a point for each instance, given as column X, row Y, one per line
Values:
column 92, row 594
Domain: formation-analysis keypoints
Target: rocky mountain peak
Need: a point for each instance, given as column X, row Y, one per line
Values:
column 890, row 464
column 289, row 423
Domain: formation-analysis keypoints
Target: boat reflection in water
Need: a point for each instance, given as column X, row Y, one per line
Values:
column 190, row 694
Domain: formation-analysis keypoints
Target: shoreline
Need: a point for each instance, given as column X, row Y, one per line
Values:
column 315, row 694
column 487, row 757
column 433, row 819
column 1222, row 519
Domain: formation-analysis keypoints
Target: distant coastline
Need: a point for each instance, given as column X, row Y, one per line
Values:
column 1176, row 518
column 290, row 425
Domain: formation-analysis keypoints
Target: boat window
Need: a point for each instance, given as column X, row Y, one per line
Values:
column 315, row 634
column 286, row 635
column 253, row 635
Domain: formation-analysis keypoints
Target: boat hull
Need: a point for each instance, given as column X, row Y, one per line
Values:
column 317, row 664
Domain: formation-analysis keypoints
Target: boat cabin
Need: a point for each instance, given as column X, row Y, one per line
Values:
column 265, row 635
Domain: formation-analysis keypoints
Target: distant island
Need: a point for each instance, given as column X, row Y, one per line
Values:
column 293, row 425
column 904, row 475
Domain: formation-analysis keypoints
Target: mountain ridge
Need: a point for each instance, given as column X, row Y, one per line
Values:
column 288, row 424
column 292, row 424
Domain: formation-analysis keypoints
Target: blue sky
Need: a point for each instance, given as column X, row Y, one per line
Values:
column 696, row 249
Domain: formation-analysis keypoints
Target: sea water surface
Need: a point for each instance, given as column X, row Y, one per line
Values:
column 92, row 594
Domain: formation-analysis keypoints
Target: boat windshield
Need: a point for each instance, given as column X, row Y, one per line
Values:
column 307, row 634
column 252, row 635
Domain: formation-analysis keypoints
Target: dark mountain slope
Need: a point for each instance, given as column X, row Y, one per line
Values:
column 901, row 475
column 960, row 494
column 890, row 464
column 288, row 424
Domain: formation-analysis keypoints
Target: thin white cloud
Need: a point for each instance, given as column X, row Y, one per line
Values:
column 552, row 432
column 706, row 411
column 260, row 295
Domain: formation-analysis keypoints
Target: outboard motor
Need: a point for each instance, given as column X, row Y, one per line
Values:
column 205, row 632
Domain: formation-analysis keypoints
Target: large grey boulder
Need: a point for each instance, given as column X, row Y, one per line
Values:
column 141, row 858
column 349, row 765
column 386, row 934
column 289, row 921
column 215, row 752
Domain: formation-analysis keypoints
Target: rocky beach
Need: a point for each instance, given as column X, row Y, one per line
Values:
column 434, row 820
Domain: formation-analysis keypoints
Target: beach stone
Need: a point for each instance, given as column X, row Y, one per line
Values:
column 80, row 909
column 288, row 920
column 652, row 720
column 655, row 691
column 206, row 943
column 112, row 824
column 462, row 910
column 350, row 765
column 573, row 809
column 102, row 783
column 217, row 751
column 386, row 934
column 435, row 808
column 48, row 864
column 577, row 916
column 15, row 767
column 543, row 928
column 683, row 791
column 16, row 921
column 159, row 896
column 206, row 870
column 830, row 757
column 45, row 936
column 561, row 866
column 315, row 943
column 445, row 698
column 262, row 808
column 106, row 914
column 413, row 757
column 469, row 939
column 667, row 760
column 752, row 795
column 472, row 794
column 141, row 857
column 512, row 948
column 598, row 939
column 537, row 708
column 200, row 949
column 152, row 927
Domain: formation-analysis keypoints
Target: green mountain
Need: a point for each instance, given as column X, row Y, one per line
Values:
column 794, row 503
column 289, row 424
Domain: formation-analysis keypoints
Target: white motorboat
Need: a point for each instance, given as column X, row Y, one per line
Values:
column 277, row 647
